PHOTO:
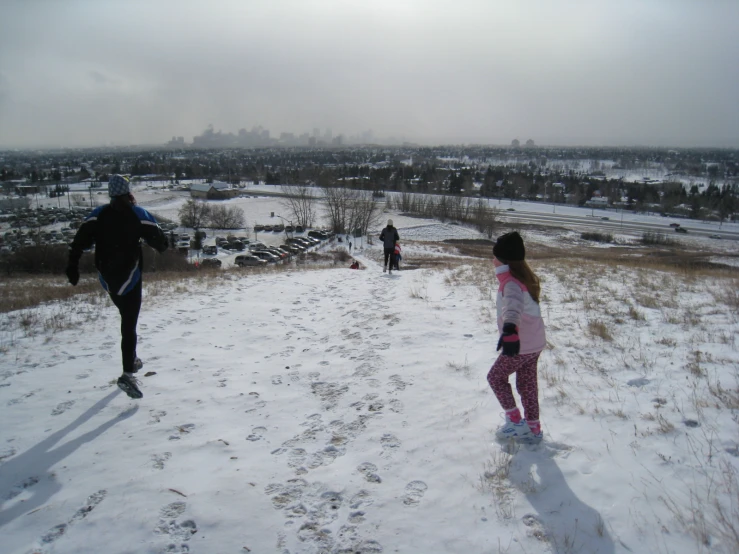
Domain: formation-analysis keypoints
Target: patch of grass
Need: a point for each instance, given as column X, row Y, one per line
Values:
column 694, row 364
column 495, row 480
column 597, row 328
column 460, row 368
column 647, row 301
column 635, row 314
column 667, row 341
column 664, row 425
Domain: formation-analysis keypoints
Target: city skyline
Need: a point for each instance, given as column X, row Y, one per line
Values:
column 85, row 74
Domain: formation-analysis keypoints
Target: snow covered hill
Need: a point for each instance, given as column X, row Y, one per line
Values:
column 347, row 411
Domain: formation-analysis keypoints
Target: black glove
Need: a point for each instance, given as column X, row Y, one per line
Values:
column 509, row 340
column 73, row 274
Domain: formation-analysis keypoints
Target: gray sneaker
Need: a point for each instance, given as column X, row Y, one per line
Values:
column 511, row 430
column 128, row 384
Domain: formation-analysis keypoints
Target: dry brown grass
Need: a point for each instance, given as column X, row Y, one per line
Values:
column 598, row 328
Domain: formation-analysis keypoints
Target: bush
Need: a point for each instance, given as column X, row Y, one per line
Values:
column 651, row 238
column 597, row 237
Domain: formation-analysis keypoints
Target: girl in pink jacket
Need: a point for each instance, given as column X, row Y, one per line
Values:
column 522, row 338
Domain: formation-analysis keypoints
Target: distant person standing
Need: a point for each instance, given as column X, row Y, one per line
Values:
column 389, row 236
column 116, row 229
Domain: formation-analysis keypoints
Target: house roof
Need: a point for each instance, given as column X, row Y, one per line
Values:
column 205, row 187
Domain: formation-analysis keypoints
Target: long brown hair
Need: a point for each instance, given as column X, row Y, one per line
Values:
column 521, row 271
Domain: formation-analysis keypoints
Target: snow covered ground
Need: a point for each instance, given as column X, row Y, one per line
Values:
column 347, row 411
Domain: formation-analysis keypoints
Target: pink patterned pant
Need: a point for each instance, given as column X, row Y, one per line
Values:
column 524, row 366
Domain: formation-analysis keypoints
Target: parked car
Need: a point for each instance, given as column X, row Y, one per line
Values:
column 318, row 235
column 210, row 262
column 220, row 241
column 258, row 228
column 268, row 257
column 246, row 260
column 277, row 252
column 299, row 229
column 278, row 228
column 237, row 245
column 257, row 246
column 210, row 249
column 674, row 225
column 289, row 228
column 714, row 236
column 681, row 230
column 300, row 241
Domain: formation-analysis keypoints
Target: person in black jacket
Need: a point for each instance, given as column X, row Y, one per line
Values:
column 389, row 237
column 116, row 230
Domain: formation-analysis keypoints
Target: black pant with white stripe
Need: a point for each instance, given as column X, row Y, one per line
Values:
column 129, row 306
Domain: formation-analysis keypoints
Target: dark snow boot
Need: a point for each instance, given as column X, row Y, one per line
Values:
column 128, row 384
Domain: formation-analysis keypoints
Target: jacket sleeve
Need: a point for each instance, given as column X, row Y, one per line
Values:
column 85, row 237
column 382, row 235
column 512, row 303
column 151, row 232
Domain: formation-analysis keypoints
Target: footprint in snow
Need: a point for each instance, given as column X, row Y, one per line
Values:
column 156, row 416
column 180, row 532
column 536, row 527
column 277, row 380
column 368, row 471
column 396, row 406
column 159, row 459
column 257, row 434
column 184, row 429
column 63, row 407
column 389, row 444
column 414, row 492
column 58, row 530
column 397, row 382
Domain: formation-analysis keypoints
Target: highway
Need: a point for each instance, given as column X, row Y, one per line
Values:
column 613, row 224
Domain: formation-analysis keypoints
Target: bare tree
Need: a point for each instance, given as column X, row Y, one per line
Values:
column 363, row 212
column 485, row 218
column 223, row 217
column 300, row 203
column 194, row 213
column 337, row 205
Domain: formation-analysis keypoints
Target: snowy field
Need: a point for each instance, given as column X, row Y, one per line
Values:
column 345, row 411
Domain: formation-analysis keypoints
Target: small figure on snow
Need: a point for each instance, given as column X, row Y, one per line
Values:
column 389, row 236
column 396, row 256
column 522, row 339
column 116, row 230
column 355, row 265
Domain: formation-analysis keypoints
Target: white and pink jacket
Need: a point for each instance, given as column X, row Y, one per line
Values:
column 515, row 305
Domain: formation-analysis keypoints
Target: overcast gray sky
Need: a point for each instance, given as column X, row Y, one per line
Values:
column 626, row 72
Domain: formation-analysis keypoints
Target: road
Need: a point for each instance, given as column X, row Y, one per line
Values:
column 612, row 225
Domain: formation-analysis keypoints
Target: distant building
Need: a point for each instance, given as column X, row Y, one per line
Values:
column 597, row 202
column 217, row 190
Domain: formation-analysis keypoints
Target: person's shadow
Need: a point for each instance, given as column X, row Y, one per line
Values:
column 563, row 520
column 31, row 469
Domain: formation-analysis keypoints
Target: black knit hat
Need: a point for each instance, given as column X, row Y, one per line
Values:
column 509, row 248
